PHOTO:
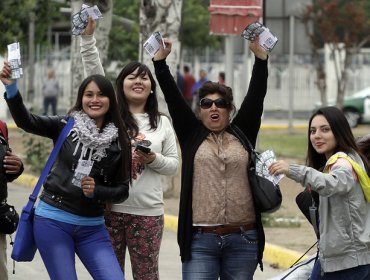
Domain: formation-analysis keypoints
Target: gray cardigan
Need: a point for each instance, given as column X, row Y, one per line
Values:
column 344, row 215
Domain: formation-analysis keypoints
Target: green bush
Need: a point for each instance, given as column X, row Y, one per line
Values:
column 37, row 151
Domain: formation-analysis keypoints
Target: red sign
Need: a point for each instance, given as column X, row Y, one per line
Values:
column 230, row 17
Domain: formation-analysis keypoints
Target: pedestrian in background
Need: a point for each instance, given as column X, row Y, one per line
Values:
column 189, row 82
column 221, row 78
column 137, row 224
column 179, row 79
column 202, row 79
column 50, row 92
column 91, row 170
column 220, row 231
column 344, row 224
column 11, row 167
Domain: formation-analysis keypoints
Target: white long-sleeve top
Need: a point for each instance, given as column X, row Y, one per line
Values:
column 146, row 193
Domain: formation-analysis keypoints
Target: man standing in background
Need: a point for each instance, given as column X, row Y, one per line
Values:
column 50, row 91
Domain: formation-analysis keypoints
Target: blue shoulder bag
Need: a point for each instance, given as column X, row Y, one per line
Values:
column 24, row 248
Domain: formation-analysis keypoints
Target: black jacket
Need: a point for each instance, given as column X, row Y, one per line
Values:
column 191, row 133
column 110, row 186
column 4, row 178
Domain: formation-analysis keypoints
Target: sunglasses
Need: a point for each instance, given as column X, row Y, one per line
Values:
column 206, row 103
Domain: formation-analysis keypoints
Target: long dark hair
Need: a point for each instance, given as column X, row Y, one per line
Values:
column 112, row 115
column 343, row 135
column 151, row 105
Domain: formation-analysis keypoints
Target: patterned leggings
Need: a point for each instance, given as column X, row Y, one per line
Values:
column 142, row 235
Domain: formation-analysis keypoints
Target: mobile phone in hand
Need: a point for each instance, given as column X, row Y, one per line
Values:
column 143, row 148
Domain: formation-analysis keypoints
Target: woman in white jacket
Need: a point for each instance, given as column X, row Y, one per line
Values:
column 138, row 222
column 336, row 171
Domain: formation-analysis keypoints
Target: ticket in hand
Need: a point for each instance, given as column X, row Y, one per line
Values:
column 14, row 59
column 94, row 12
column 153, row 44
column 267, row 40
column 80, row 19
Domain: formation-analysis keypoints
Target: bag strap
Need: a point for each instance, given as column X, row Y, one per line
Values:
column 62, row 136
column 3, row 130
column 313, row 216
column 362, row 176
column 246, row 144
column 243, row 139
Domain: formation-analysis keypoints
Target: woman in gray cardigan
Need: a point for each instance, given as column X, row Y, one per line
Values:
column 344, row 223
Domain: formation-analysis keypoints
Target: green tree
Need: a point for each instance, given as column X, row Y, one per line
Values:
column 37, row 151
column 344, row 26
column 124, row 44
column 194, row 32
column 195, row 25
column 15, row 17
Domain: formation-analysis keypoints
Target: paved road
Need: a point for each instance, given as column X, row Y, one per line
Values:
column 170, row 265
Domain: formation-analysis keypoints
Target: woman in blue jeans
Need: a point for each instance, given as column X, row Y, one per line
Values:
column 91, row 169
column 220, row 232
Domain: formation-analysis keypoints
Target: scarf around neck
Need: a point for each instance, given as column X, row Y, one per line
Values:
column 88, row 135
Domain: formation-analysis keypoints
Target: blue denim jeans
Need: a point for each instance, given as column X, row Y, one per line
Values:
column 232, row 256
column 361, row 272
column 58, row 242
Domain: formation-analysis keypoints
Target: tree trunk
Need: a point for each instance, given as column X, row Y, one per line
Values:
column 342, row 82
column 163, row 16
column 341, row 58
column 77, row 73
column 318, row 64
column 320, row 77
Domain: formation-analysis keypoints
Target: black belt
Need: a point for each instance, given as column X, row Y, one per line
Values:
column 225, row 229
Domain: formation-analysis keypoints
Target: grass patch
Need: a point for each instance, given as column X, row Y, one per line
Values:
column 284, row 144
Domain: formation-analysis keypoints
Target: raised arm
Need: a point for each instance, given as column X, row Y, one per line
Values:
column 41, row 125
column 89, row 52
column 249, row 115
column 184, row 120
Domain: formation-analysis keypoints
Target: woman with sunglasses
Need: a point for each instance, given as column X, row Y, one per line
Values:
column 220, row 232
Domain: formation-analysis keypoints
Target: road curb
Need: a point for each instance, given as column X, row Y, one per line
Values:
column 273, row 254
column 267, row 126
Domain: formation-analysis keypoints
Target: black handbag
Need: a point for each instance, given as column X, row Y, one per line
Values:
column 267, row 195
column 9, row 219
